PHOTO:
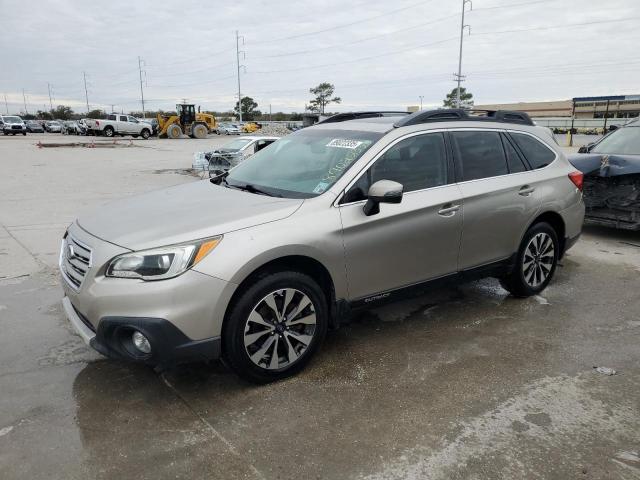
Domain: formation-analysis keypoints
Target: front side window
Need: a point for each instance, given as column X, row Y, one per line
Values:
column 480, row 154
column 303, row 164
column 534, row 151
column 417, row 163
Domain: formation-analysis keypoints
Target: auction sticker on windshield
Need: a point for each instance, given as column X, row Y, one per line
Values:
column 344, row 143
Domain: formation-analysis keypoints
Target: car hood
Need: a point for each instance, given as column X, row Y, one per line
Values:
column 605, row 165
column 181, row 214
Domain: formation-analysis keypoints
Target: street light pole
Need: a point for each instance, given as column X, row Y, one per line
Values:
column 420, row 97
column 238, row 65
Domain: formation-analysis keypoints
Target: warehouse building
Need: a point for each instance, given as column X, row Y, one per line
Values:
column 615, row 106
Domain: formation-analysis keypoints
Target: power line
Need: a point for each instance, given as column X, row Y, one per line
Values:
column 345, row 25
column 553, row 27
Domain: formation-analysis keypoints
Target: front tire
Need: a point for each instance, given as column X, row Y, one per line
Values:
column 108, row 132
column 145, row 134
column 275, row 326
column 536, row 262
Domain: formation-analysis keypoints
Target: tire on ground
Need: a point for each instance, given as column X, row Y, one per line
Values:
column 174, row 131
column 515, row 282
column 199, row 131
column 233, row 331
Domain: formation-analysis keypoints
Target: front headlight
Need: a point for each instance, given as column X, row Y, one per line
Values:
column 161, row 263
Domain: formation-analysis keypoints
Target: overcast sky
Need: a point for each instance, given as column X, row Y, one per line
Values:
column 379, row 54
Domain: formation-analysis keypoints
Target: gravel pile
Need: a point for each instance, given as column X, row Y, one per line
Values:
column 274, row 130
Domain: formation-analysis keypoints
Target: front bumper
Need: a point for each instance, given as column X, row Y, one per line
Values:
column 181, row 317
column 169, row 346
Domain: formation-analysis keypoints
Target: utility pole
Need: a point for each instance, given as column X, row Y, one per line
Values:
column 86, row 93
column 459, row 77
column 50, row 102
column 24, row 99
column 141, row 90
column 420, row 97
column 238, row 65
column 269, row 112
column 6, row 105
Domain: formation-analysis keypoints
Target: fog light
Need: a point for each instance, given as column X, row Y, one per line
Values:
column 141, row 342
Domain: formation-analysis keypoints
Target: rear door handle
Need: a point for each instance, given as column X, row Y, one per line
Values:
column 526, row 191
column 448, row 210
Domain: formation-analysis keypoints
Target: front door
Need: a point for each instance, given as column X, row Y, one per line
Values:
column 410, row 242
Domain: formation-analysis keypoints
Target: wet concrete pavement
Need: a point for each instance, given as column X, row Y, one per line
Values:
column 465, row 382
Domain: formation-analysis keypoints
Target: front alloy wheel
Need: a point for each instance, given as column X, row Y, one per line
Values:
column 279, row 329
column 275, row 326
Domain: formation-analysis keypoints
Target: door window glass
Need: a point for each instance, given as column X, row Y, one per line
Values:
column 480, row 154
column 514, row 161
column 534, row 151
column 417, row 163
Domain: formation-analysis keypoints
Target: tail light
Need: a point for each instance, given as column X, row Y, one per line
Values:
column 97, row 123
column 577, row 178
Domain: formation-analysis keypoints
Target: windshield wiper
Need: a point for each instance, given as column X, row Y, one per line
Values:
column 247, row 187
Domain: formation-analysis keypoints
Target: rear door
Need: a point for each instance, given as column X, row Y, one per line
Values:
column 499, row 195
column 123, row 124
column 410, row 242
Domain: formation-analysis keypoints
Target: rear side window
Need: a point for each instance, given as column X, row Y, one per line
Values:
column 537, row 154
column 514, row 161
column 480, row 154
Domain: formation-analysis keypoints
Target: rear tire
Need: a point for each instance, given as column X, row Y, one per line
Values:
column 536, row 262
column 294, row 330
column 199, row 131
column 174, row 131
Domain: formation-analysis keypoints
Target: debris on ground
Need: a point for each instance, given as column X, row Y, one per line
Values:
column 273, row 130
column 605, row 370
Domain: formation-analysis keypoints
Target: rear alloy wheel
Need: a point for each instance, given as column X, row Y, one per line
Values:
column 275, row 327
column 536, row 263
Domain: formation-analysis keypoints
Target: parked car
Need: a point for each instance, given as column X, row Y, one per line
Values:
column 257, row 263
column 13, row 125
column 34, row 127
column 53, row 126
column 231, row 153
column 69, row 127
column 612, row 178
column 228, row 129
column 117, row 124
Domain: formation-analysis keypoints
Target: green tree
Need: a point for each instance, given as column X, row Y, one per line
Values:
column 323, row 97
column 466, row 99
column 62, row 112
column 97, row 113
column 42, row 115
column 249, row 109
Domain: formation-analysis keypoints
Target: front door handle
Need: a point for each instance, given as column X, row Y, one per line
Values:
column 526, row 191
column 448, row 210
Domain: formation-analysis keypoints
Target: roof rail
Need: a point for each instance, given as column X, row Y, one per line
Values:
column 459, row 114
column 343, row 117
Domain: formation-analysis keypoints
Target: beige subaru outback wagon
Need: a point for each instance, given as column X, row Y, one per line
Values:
column 257, row 263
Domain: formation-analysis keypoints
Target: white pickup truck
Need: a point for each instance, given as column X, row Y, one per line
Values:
column 117, row 124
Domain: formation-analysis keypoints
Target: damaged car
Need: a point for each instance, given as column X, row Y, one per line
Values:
column 230, row 154
column 611, row 170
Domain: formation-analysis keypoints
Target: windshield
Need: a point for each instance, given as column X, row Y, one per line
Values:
column 624, row 141
column 54, row 123
column 12, row 120
column 303, row 164
column 234, row 145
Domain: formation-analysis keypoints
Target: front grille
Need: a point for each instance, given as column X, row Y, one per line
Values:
column 16, row 127
column 75, row 261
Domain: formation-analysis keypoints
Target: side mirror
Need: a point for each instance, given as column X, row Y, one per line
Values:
column 383, row 191
column 586, row 148
column 613, row 127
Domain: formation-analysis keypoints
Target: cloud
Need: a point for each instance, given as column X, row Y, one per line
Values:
column 386, row 55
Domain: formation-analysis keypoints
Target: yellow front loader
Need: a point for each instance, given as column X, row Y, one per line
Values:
column 187, row 122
